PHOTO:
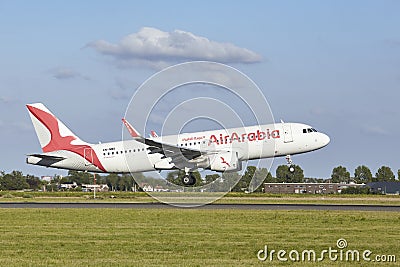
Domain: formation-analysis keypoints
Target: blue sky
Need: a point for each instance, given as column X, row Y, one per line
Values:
column 332, row 64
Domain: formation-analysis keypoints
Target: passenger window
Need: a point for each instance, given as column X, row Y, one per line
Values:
column 304, row 130
column 309, row 130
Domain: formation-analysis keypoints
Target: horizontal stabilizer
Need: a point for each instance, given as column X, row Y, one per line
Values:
column 43, row 159
column 48, row 157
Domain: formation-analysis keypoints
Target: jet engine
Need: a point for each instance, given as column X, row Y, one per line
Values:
column 227, row 161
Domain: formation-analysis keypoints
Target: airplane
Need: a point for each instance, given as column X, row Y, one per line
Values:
column 215, row 150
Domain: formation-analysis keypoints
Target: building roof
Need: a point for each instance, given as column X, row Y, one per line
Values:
column 387, row 187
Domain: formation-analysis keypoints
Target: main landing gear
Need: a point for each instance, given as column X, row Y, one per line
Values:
column 188, row 179
column 290, row 164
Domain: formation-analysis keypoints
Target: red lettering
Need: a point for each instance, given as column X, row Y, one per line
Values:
column 260, row 135
column 234, row 136
column 275, row 134
column 226, row 139
column 252, row 136
column 213, row 139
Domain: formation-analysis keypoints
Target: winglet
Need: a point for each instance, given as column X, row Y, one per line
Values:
column 130, row 128
column 153, row 133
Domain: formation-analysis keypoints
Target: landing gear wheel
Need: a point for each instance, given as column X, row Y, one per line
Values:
column 188, row 180
column 291, row 168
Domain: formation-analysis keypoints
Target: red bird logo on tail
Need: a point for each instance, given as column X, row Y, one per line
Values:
column 58, row 142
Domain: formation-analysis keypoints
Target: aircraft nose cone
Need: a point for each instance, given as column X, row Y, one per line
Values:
column 325, row 140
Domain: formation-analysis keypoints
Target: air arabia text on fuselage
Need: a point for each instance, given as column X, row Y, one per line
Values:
column 235, row 137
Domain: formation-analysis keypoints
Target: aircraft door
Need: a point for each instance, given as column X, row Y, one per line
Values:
column 88, row 155
column 287, row 133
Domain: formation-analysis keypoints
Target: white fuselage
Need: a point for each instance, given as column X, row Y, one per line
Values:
column 254, row 142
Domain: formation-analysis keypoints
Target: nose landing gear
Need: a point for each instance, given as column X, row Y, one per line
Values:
column 290, row 164
column 188, row 179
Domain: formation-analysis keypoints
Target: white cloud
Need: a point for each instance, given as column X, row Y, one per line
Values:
column 67, row 73
column 156, row 48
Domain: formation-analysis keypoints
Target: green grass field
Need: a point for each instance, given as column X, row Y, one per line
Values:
column 254, row 198
column 186, row 237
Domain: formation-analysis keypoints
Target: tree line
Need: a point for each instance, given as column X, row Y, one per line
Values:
column 362, row 174
column 16, row 180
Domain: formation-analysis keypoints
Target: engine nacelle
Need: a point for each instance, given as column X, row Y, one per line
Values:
column 227, row 161
column 163, row 164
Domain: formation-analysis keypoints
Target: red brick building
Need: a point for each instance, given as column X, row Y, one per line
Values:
column 306, row 188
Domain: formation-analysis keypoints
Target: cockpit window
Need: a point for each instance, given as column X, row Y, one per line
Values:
column 309, row 130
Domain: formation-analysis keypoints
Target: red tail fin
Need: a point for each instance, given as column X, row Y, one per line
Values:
column 54, row 135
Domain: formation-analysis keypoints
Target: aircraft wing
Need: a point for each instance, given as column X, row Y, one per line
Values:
column 183, row 157
column 177, row 154
column 168, row 150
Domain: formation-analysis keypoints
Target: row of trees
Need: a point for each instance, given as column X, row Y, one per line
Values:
column 362, row 174
column 17, row 181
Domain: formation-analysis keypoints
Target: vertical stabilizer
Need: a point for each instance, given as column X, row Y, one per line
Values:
column 52, row 133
